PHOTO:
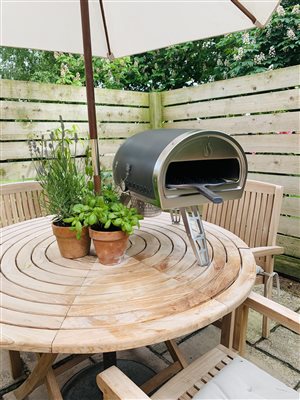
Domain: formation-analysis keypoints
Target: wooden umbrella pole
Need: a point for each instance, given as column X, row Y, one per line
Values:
column 87, row 49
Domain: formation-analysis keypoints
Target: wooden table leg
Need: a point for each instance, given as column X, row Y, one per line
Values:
column 227, row 330
column 37, row 375
column 16, row 364
column 52, row 386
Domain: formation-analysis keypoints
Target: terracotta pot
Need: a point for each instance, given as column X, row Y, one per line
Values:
column 68, row 245
column 110, row 246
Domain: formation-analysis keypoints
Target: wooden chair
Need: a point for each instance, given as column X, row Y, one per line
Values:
column 19, row 202
column 220, row 373
column 254, row 218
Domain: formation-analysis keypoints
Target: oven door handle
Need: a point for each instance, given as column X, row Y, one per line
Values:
column 202, row 189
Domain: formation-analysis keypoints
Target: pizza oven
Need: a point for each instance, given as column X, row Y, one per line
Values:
column 181, row 168
column 173, row 168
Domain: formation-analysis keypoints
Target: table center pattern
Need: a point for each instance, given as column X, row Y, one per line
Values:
column 51, row 304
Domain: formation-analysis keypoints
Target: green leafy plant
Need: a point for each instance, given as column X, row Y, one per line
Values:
column 103, row 213
column 187, row 64
column 65, row 179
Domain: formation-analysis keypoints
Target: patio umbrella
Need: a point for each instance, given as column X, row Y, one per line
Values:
column 115, row 28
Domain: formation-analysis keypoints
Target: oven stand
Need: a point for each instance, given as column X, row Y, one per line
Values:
column 192, row 219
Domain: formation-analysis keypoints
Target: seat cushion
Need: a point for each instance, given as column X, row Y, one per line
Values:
column 243, row 380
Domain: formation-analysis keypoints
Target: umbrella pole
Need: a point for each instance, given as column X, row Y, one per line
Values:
column 90, row 94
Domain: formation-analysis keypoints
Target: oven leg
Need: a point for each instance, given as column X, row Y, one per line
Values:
column 109, row 359
column 175, row 216
column 195, row 231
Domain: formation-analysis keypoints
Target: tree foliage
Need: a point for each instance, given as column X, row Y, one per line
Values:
column 188, row 64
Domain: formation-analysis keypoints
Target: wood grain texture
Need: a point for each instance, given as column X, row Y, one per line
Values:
column 273, row 164
column 270, row 143
column 268, row 102
column 10, row 151
column 70, row 112
column 265, row 81
column 52, row 304
column 19, row 202
column 16, row 131
column 254, row 217
column 66, row 93
column 245, row 124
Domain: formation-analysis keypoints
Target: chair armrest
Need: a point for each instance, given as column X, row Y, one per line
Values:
column 275, row 311
column 267, row 251
column 115, row 385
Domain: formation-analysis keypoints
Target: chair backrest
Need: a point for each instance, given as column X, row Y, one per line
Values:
column 254, row 217
column 19, row 202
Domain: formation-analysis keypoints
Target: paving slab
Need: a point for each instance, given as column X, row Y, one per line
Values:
column 284, row 345
column 254, row 330
column 286, row 298
column 6, row 378
column 198, row 344
column 274, row 367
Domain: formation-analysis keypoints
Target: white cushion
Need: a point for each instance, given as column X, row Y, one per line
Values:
column 243, row 380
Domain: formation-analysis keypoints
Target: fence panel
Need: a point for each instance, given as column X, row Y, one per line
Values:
column 30, row 110
column 262, row 112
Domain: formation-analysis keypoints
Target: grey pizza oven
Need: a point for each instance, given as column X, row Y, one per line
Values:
column 175, row 168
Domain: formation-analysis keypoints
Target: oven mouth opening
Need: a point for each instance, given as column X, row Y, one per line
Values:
column 219, row 171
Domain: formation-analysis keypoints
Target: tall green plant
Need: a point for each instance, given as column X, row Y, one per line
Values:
column 65, row 179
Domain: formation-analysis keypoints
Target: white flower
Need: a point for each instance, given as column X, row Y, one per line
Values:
column 246, row 38
column 271, row 66
column 291, row 34
column 272, row 51
column 280, row 11
column 296, row 9
column 226, row 63
column 259, row 58
column 63, row 69
column 239, row 55
column 57, row 54
column 219, row 62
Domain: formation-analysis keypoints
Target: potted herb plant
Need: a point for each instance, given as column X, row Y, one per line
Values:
column 110, row 223
column 65, row 181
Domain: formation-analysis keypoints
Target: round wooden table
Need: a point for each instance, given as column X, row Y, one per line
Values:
column 55, row 305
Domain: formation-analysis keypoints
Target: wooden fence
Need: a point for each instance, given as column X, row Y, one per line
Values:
column 256, row 109
column 32, row 109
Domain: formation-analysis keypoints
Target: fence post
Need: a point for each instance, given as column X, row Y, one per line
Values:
column 155, row 110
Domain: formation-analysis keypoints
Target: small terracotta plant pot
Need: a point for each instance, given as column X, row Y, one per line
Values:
column 110, row 246
column 69, row 246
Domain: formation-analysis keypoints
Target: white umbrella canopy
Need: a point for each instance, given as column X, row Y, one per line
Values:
column 116, row 28
column 133, row 26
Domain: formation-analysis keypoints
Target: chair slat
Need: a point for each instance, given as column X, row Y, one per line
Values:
column 267, row 220
column 255, row 220
column 261, row 218
column 26, row 210
column 19, row 205
column 36, row 203
column 20, row 202
column 15, row 216
column 249, row 217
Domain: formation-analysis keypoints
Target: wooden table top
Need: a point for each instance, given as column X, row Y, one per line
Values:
column 52, row 304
